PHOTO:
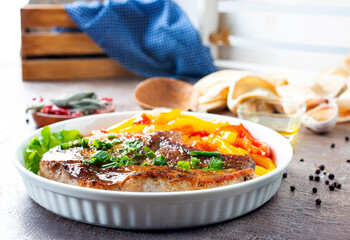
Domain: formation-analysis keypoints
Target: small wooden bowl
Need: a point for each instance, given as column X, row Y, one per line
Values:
column 44, row 119
column 166, row 92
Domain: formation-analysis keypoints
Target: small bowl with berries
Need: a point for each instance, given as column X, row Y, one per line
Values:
column 45, row 112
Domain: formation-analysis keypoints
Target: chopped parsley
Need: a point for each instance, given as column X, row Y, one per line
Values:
column 159, row 161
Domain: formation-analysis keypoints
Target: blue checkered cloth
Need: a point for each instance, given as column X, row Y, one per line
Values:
column 148, row 37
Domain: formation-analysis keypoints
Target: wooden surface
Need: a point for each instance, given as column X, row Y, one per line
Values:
column 41, row 44
column 288, row 215
column 68, row 69
column 45, row 15
column 60, row 56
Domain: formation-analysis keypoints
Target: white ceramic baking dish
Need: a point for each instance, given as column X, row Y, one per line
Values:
column 130, row 210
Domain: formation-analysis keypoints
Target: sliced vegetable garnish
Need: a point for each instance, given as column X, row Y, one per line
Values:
column 208, row 154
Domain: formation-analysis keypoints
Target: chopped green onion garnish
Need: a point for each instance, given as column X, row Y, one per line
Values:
column 85, row 142
column 195, row 162
column 116, row 141
column 112, row 136
column 64, row 145
column 208, row 154
column 99, row 157
column 108, row 165
column 185, row 165
column 101, row 145
column 148, row 152
column 181, row 150
column 160, row 161
column 216, row 164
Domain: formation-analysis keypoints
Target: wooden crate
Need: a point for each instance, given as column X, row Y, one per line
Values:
column 60, row 56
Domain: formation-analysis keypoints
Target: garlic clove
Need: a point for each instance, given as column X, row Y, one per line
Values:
column 323, row 118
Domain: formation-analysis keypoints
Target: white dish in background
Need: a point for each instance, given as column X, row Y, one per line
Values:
column 134, row 210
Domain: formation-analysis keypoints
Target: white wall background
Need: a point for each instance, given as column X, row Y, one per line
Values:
column 277, row 34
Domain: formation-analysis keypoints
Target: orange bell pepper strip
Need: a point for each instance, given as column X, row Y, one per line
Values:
column 264, row 162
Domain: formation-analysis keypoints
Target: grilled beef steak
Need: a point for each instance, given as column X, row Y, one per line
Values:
column 143, row 162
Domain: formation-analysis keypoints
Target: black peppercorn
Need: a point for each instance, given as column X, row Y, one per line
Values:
column 27, row 120
column 347, row 138
column 322, row 167
column 348, row 160
column 331, row 187
column 292, row 188
column 326, row 182
column 318, row 201
column 333, row 145
column 318, row 171
column 317, row 178
column 339, row 186
column 284, row 175
column 331, row 176
column 311, row 178
column 314, row 190
column 301, row 160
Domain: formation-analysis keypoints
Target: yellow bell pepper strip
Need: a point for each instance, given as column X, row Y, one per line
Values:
column 260, row 170
column 226, row 148
column 246, row 140
column 228, row 136
column 119, row 126
column 165, row 117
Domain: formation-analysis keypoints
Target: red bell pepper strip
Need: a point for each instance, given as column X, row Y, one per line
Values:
column 142, row 119
column 201, row 133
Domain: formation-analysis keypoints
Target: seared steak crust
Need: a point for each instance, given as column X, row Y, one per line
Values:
column 67, row 166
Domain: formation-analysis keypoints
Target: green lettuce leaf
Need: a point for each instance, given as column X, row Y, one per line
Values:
column 40, row 145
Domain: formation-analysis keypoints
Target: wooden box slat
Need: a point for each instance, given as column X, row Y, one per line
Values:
column 41, row 44
column 60, row 56
column 81, row 68
column 45, row 16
